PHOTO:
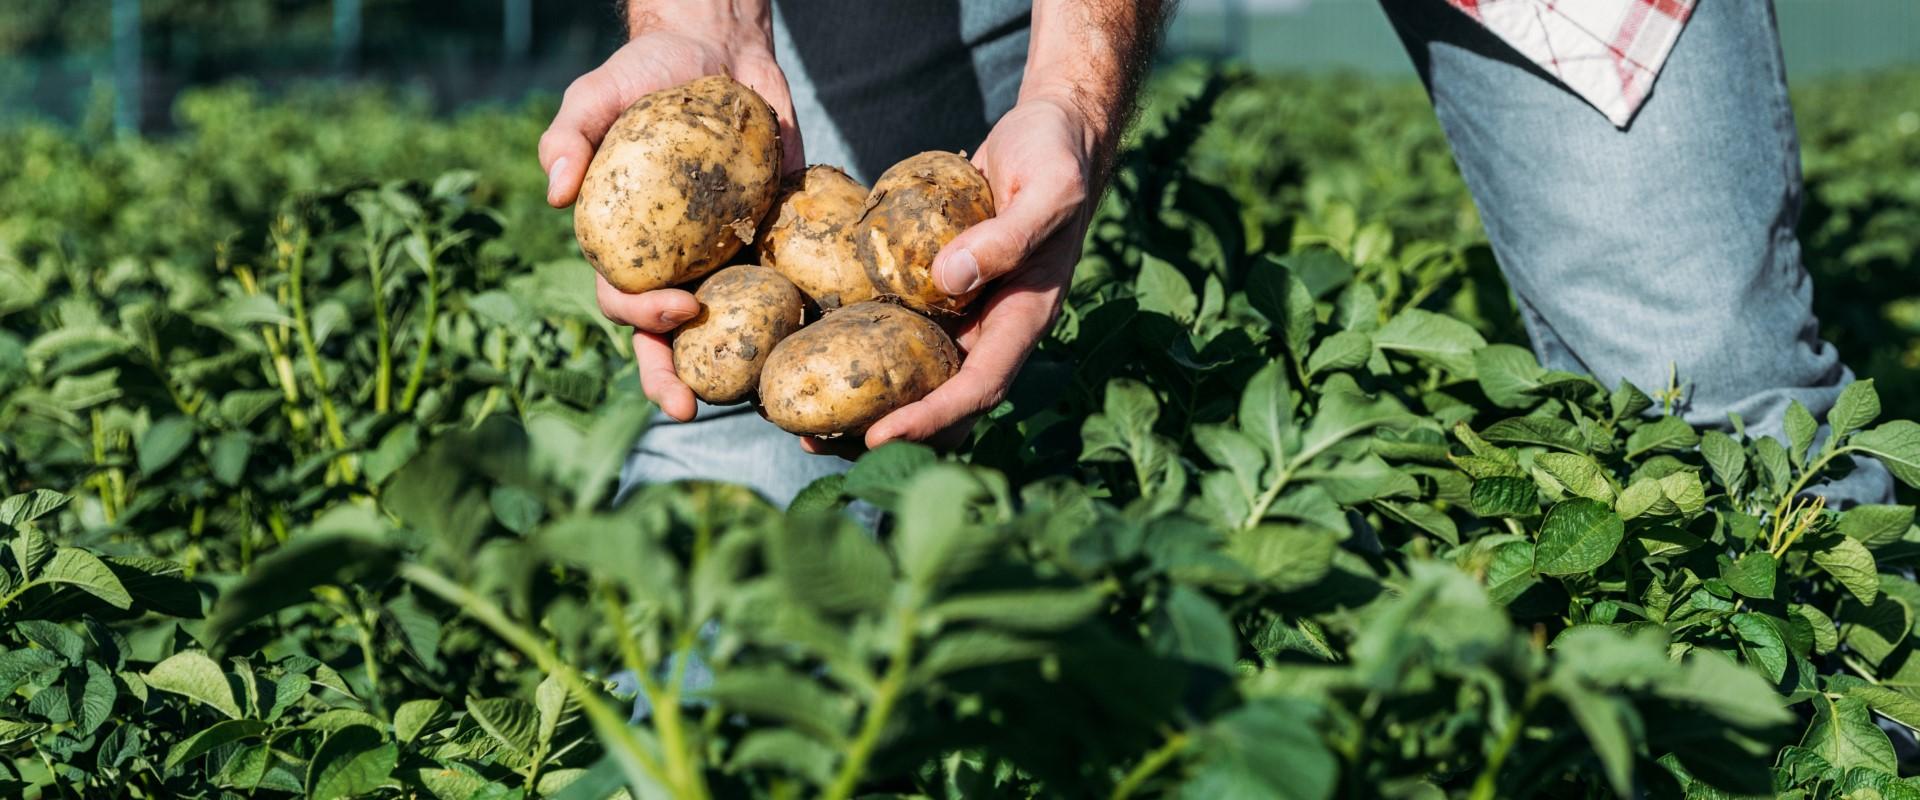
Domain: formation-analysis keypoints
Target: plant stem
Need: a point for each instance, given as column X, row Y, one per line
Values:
column 1487, row 785
column 419, row 371
column 608, row 723
column 295, row 255
column 383, row 346
column 1148, row 766
column 884, row 697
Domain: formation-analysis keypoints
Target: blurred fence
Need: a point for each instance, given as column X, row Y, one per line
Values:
column 74, row 58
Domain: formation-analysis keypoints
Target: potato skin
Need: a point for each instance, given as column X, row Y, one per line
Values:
column 916, row 207
column 678, row 184
column 809, row 237
column 856, row 365
column 745, row 311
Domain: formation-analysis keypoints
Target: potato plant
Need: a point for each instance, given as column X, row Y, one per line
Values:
column 311, row 494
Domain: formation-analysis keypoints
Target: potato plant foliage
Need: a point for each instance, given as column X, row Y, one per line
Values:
column 308, row 490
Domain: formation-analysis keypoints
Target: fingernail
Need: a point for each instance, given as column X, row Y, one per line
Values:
column 675, row 316
column 553, row 176
column 959, row 273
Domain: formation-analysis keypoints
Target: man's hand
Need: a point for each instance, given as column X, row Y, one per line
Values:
column 1047, row 161
column 674, row 41
column 1042, row 163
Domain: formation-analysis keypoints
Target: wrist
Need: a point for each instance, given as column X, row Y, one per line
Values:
column 1092, row 123
column 737, row 25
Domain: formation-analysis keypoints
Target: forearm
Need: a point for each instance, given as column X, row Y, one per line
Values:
column 752, row 18
column 1093, row 54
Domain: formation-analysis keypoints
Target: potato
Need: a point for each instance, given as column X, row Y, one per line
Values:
column 810, row 236
column 745, row 311
column 916, row 207
column 678, row 184
column 856, row 365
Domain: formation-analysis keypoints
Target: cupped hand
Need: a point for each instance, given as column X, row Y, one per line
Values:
column 1042, row 160
column 658, row 58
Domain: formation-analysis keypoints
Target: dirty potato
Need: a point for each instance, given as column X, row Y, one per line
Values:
column 809, row 237
column 916, row 207
column 745, row 311
column 678, row 184
column 845, row 372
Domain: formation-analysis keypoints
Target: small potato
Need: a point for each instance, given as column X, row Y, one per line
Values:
column 745, row 311
column 856, row 365
column 810, row 237
column 678, row 184
column 916, row 207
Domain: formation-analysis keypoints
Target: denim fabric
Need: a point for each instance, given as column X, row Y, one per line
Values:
column 872, row 84
column 1670, row 242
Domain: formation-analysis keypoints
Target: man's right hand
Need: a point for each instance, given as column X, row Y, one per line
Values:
column 703, row 38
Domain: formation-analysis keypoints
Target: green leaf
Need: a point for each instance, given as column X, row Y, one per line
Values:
column 412, row 718
column 1442, row 341
column 1577, row 536
column 163, row 443
column 936, row 539
column 1268, row 748
column 827, row 562
column 23, row 508
column 1850, row 564
column 972, row 649
column 353, row 760
column 1023, row 609
column 1578, row 473
column 1727, row 459
column 779, row 694
column 1508, row 375
column 1875, row 525
column 1800, row 429
column 193, row 674
column 1857, row 407
column 1273, row 291
column 1763, row 644
column 228, row 456
column 1671, row 434
column 1893, row 704
column 1753, row 575
column 1684, row 491
column 1342, row 415
column 91, row 698
column 1897, row 445
column 825, row 494
column 1266, row 412
column 1159, row 287
column 221, row 733
column 1191, row 627
column 785, row 751
column 1285, row 557
column 1342, row 350
column 1505, row 497
column 72, row 566
column 1844, row 734
column 1606, row 721
column 288, row 575
column 1826, row 635
column 550, row 699
column 1537, row 432
column 510, row 721
column 1874, row 631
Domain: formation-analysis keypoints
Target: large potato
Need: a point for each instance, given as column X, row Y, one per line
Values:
column 916, row 207
column 678, row 184
column 810, row 237
column 744, row 312
column 858, row 364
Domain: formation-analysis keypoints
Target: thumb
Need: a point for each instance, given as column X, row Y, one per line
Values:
column 587, row 110
column 1000, row 245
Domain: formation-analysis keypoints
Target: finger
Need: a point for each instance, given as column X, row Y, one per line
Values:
column 658, row 381
column 1037, row 207
column 658, row 311
column 587, row 109
column 1010, row 326
column 847, row 447
column 771, row 83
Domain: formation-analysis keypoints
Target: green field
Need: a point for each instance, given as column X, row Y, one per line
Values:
column 309, row 427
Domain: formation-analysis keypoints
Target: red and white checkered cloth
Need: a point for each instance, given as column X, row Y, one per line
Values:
column 1606, row 51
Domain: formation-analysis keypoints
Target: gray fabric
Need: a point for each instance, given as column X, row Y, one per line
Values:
column 1669, row 242
column 872, row 83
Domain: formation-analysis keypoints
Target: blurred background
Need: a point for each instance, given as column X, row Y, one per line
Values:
column 64, row 58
